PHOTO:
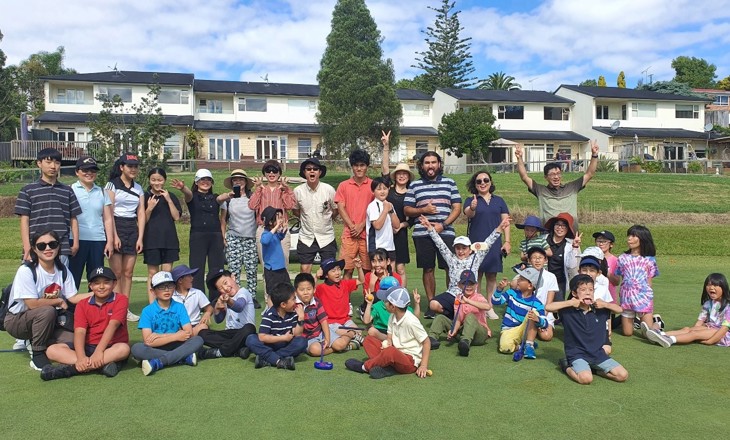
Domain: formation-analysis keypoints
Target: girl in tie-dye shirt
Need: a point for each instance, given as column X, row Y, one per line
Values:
column 636, row 268
column 713, row 323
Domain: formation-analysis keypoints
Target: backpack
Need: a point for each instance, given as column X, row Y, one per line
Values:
column 5, row 298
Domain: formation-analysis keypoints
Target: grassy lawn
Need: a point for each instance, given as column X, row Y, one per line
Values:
column 671, row 393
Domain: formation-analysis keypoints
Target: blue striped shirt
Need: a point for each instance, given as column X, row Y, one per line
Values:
column 275, row 325
column 441, row 192
column 518, row 307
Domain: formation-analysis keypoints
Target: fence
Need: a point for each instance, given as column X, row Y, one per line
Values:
column 70, row 151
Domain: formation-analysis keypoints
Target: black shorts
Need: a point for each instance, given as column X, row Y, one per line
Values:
column 447, row 303
column 273, row 278
column 427, row 253
column 156, row 257
column 128, row 234
column 402, row 253
column 307, row 253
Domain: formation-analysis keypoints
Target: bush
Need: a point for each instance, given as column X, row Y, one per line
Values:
column 606, row 165
column 695, row 167
column 652, row 166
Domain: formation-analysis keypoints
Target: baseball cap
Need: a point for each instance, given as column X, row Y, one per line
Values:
column 269, row 213
column 593, row 251
column 162, row 277
column 202, row 173
column 590, row 261
column 398, row 296
column 462, row 240
column 532, row 275
column 467, row 277
column 388, row 282
column 103, row 272
column 605, row 234
column 129, row 159
column 182, row 270
column 86, row 163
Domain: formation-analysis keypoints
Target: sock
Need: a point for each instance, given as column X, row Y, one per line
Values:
column 674, row 339
column 218, row 353
column 363, row 368
column 40, row 359
column 531, row 343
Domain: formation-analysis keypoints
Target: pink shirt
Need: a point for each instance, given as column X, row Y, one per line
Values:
column 356, row 198
column 612, row 262
column 279, row 198
column 466, row 309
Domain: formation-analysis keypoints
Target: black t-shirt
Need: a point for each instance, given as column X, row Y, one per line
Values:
column 204, row 213
column 584, row 334
column 398, row 203
column 159, row 231
column 556, row 263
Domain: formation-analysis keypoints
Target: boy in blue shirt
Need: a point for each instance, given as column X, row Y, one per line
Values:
column 166, row 330
column 280, row 337
column 272, row 254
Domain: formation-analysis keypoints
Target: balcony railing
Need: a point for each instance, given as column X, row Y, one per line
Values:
column 70, row 151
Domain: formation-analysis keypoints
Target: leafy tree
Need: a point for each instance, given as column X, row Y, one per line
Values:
column 601, row 81
column 674, row 87
column 724, row 84
column 468, row 131
column 447, row 61
column 499, row 81
column 194, row 141
column 357, row 87
column 621, row 80
column 11, row 102
column 143, row 132
column 37, row 65
column 417, row 83
column 589, row 83
column 695, row 72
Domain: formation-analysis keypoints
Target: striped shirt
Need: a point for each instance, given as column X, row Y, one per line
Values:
column 441, row 192
column 126, row 199
column 518, row 307
column 314, row 315
column 49, row 206
column 275, row 325
column 280, row 198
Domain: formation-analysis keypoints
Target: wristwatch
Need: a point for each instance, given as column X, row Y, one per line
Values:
column 392, row 211
column 300, row 323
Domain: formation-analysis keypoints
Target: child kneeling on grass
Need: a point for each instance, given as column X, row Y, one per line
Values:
column 166, row 330
column 378, row 315
column 101, row 340
column 280, row 334
column 470, row 316
column 334, row 295
column 523, row 305
column 584, row 324
column 407, row 348
column 316, row 328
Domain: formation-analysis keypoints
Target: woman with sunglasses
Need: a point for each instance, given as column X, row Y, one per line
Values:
column 485, row 211
column 565, row 244
column 39, row 288
column 127, row 198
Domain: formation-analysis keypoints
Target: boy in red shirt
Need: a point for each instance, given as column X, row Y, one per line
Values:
column 101, row 340
column 334, row 295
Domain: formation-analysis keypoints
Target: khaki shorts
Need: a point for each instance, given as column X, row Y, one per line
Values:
column 353, row 247
column 511, row 338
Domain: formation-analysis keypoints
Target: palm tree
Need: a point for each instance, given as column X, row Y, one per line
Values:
column 499, row 81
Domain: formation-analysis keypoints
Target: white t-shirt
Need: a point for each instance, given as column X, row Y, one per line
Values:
column 383, row 237
column 25, row 288
column 194, row 303
column 600, row 290
column 549, row 283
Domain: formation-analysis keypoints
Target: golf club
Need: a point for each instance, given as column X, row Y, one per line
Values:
column 520, row 353
column 321, row 364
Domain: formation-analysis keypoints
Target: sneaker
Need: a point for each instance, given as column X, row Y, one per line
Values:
column 19, row 344
column 354, row 365
column 244, row 353
column 491, row 314
column 149, row 366
column 658, row 320
column 286, row 363
column 637, row 323
column 191, row 359
column 359, row 338
column 658, row 338
column 382, row 372
column 110, row 370
column 350, row 312
column 435, row 343
column 643, row 329
column 430, row 314
column 256, row 304
column 209, row 353
column 529, row 351
column 52, row 372
column 464, row 346
column 354, row 345
column 132, row 317
column 260, row 363
column 563, row 364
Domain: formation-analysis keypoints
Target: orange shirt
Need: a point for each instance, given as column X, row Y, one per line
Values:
column 356, row 198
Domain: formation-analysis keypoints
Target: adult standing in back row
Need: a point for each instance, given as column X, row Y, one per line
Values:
column 555, row 197
column 437, row 198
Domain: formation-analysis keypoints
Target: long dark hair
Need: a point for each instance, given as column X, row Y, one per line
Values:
column 116, row 170
column 34, row 239
column 155, row 170
column 471, row 185
column 719, row 280
column 646, row 243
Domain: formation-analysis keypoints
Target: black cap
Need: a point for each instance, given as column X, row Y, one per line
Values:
column 213, row 276
column 86, row 163
column 269, row 214
column 103, row 272
column 607, row 234
column 129, row 159
column 467, row 277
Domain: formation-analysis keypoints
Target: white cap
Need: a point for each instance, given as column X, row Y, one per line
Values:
column 398, row 296
column 462, row 240
column 201, row 173
column 593, row 251
column 162, row 278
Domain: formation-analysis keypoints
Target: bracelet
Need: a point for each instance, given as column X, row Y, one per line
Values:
column 594, row 156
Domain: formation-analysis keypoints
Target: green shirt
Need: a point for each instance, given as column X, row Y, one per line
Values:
column 381, row 316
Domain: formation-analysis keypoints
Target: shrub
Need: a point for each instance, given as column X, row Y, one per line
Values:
column 606, row 165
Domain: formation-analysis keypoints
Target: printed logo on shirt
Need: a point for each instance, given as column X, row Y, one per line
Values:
column 53, row 291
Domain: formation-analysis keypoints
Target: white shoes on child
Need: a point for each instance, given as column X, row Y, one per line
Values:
column 132, row 317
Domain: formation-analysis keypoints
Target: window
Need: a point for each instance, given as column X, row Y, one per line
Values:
column 415, row 110
column 107, row 93
column 623, row 112
column 556, row 113
column 267, row 148
column 421, row 148
column 251, row 104
column 722, row 100
column 69, row 96
column 282, row 148
column 225, row 148
column 511, row 112
column 301, row 106
column 641, row 110
column 304, row 148
column 687, row 111
column 210, row 106
column 601, row 112
column 172, row 96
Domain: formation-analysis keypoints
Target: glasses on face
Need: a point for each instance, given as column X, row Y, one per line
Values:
column 600, row 242
column 206, row 179
column 89, row 171
column 166, row 286
column 271, row 170
column 482, row 181
column 311, row 169
column 41, row 246
column 554, row 174
column 561, row 225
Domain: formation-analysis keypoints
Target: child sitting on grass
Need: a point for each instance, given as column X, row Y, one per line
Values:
column 377, row 314
column 280, row 334
column 407, row 348
column 316, row 328
column 712, row 324
column 334, row 295
column 194, row 300
column 471, row 318
column 584, row 323
column 166, row 330
column 523, row 305
column 101, row 341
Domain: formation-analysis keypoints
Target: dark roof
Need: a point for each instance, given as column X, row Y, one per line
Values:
column 257, row 126
column 534, row 135
column 419, row 131
column 506, row 96
column 82, row 118
column 256, row 88
column 623, row 93
column 664, row 133
column 412, row 95
column 128, row 77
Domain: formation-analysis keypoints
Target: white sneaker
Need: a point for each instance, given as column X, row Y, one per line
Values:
column 491, row 314
column 132, row 317
column 33, row 366
column 657, row 338
column 19, row 344
column 350, row 312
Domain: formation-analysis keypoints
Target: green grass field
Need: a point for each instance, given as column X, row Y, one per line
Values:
column 671, row 393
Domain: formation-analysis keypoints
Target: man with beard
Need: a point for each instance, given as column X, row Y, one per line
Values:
column 437, row 198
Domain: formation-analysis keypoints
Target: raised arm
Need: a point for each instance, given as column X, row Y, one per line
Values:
column 385, row 163
column 591, row 171
column 521, row 166
column 180, row 186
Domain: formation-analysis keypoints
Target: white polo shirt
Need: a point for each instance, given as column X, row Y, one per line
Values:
column 195, row 301
column 408, row 335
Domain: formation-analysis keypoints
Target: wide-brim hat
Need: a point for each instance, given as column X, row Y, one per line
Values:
column 329, row 264
column 532, row 221
column 181, row 271
column 228, row 181
column 567, row 218
column 402, row 167
column 313, row 161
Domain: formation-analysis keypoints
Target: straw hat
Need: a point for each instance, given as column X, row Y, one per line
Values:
column 237, row 173
column 402, row 167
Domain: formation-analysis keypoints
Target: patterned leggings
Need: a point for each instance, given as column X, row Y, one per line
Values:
column 240, row 252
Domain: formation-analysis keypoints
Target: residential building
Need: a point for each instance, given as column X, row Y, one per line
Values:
column 718, row 111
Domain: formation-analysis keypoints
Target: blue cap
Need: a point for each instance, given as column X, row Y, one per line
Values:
column 467, row 277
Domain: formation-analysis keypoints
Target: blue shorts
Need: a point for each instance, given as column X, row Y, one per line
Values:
column 579, row 365
column 316, row 340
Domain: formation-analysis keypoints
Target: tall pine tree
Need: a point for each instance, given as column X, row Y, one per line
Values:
column 357, row 87
column 447, row 61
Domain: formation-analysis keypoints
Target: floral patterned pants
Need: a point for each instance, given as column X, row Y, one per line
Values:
column 241, row 252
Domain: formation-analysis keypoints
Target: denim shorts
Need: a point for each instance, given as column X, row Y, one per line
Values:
column 580, row 365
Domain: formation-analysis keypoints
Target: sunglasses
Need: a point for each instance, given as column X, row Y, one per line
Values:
column 561, row 225
column 311, row 169
column 51, row 244
column 273, row 170
column 205, row 179
column 482, row 181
